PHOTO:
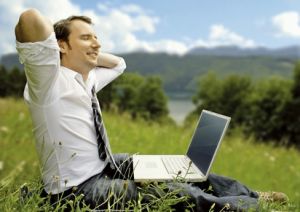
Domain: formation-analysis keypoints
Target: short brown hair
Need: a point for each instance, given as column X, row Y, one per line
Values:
column 62, row 27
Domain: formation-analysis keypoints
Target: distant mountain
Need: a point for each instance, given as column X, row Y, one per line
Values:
column 292, row 52
column 11, row 60
column 180, row 73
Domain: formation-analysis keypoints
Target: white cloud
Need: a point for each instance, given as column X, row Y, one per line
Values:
column 132, row 8
column 221, row 36
column 102, row 7
column 287, row 24
column 117, row 27
column 10, row 11
column 56, row 9
column 8, row 18
column 168, row 46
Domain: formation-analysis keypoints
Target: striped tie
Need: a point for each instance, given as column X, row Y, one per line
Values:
column 102, row 138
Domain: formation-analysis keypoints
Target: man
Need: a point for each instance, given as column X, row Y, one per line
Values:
column 64, row 70
column 61, row 74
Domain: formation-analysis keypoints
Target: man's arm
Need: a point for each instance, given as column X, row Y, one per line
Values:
column 33, row 27
column 108, row 60
column 110, row 67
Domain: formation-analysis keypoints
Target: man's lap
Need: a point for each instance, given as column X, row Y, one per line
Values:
column 115, row 187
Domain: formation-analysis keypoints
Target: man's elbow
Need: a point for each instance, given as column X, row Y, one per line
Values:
column 32, row 26
column 122, row 65
column 29, row 14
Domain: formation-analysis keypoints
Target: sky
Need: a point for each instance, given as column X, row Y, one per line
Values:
column 171, row 26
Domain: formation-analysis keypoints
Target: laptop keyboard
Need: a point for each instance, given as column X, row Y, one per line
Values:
column 176, row 164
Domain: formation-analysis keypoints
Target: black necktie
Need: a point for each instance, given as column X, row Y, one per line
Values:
column 102, row 138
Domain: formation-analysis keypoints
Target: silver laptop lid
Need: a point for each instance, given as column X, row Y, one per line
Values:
column 206, row 140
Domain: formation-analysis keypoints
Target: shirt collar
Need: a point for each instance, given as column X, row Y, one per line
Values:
column 73, row 74
column 69, row 72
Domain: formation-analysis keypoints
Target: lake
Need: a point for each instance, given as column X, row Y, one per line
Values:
column 179, row 109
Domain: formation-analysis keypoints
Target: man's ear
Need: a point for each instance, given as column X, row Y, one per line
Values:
column 63, row 46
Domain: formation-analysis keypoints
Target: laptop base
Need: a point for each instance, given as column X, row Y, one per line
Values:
column 151, row 168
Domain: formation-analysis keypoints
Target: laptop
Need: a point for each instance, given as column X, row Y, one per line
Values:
column 195, row 165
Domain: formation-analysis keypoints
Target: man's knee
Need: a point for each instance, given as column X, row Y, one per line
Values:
column 115, row 192
column 121, row 157
column 124, row 189
column 125, row 165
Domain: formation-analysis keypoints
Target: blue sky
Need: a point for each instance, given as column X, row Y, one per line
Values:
column 173, row 26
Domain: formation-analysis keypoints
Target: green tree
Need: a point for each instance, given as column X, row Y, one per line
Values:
column 208, row 92
column 127, row 92
column 139, row 96
column 234, row 98
column 292, row 110
column 266, row 119
column 3, row 82
column 152, row 101
column 121, row 93
column 227, row 96
column 108, row 96
column 16, row 82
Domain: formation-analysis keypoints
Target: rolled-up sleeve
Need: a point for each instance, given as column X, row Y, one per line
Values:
column 105, row 75
column 41, row 63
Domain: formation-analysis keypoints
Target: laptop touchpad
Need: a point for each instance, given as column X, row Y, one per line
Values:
column 150, row 165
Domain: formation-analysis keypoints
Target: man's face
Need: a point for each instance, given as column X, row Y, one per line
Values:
column 82, row 52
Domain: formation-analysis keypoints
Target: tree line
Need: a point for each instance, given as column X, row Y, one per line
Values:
column 268, row 108
column 141, row 97
column 12, row 82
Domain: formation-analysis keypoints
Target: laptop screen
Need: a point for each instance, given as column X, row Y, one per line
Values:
column 206, row 139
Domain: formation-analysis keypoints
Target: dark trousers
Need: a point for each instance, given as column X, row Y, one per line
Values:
column 115, row 188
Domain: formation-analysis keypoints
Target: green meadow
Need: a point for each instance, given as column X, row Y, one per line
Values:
column 262, row 167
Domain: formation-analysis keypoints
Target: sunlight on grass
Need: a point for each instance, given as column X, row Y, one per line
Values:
column 260, row 166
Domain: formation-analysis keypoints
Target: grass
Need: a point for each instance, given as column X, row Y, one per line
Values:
column 260, row 166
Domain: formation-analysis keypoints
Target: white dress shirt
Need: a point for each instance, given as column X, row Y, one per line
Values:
column 60, row 105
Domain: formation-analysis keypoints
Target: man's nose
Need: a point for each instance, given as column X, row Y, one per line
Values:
column 96, row 44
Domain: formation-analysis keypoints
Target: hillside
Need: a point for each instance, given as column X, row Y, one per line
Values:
column 180, row 73
column 292, row 52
